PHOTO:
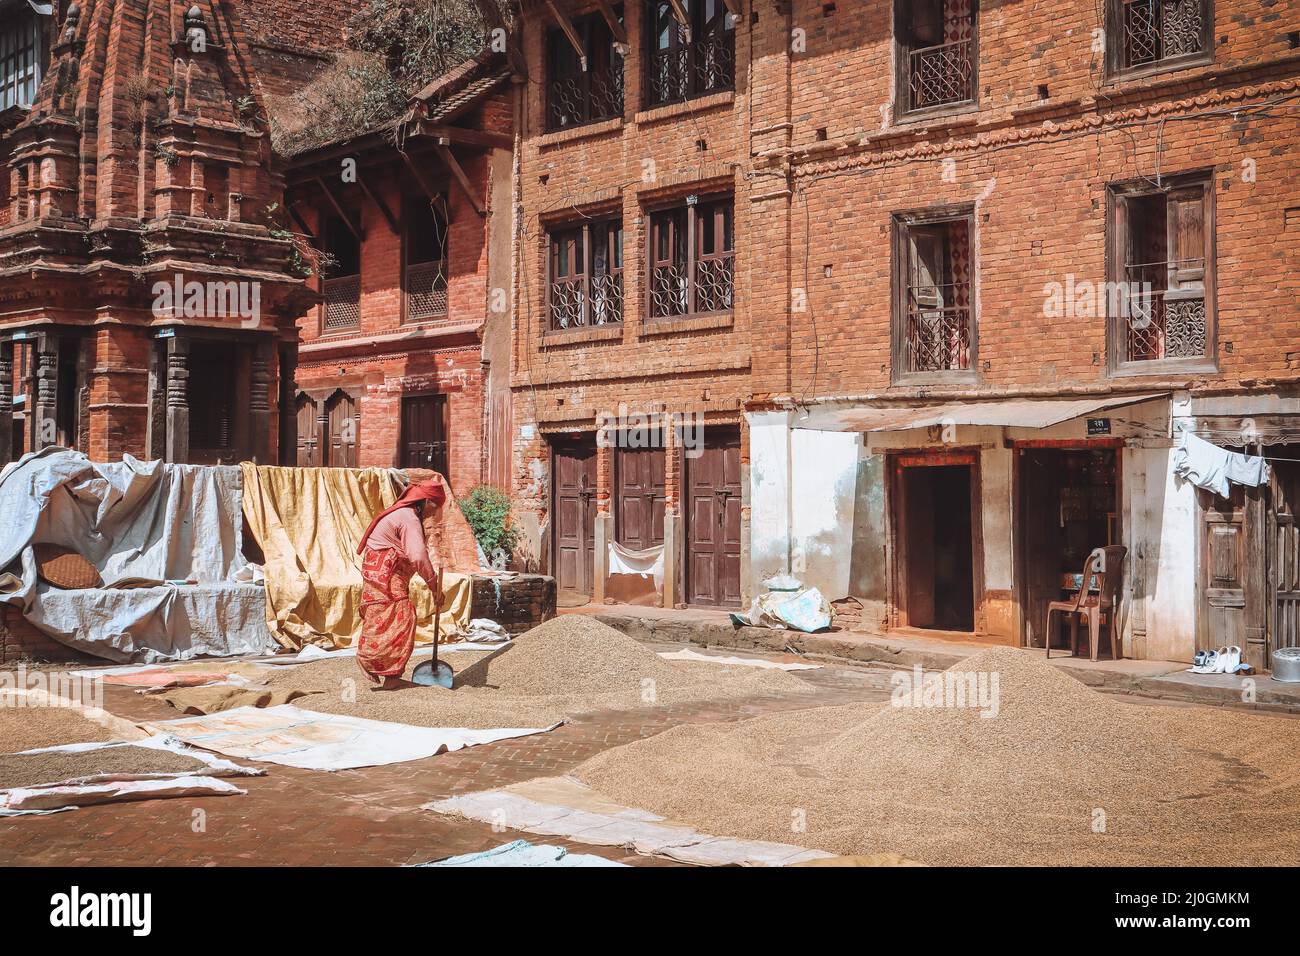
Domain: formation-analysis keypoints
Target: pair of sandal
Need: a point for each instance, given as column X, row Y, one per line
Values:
column 1226, row 660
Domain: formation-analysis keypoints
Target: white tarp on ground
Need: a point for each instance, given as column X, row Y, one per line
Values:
column 566, row 807
column 522, row 853
column 293, row 737
column 117, row 787
column 142, row 525
column 695, row 657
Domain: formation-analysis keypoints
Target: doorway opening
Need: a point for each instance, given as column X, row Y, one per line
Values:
column 1069, row 506
column 573, row 511
column 937, row 543
column 426, row 424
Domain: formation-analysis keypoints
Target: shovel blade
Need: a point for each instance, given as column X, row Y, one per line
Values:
column 431, row 673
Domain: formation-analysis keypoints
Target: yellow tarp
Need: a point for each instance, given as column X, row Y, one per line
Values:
column 308, row 522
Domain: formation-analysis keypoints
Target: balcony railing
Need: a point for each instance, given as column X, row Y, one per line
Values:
column 572, row 105
column 696, row 68
column 426, row 291
column 942, row 74
column 671, row 294
column 1161, row 324
column 714, row 284
column 573, row 306
column 938, row 336
column 342, row 302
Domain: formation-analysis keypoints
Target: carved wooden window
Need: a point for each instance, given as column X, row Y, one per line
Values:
column 578, row 93
column 1161, row 297
column 342, row 282
column 938, row 53
column 210, row 393
column 692, row 258
column 585, row 267
column 425, row 253
column 1143, row 35
column 934, row 315
column 24, row 54
column 687, row 61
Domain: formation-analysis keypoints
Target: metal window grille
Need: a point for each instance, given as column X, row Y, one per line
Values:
column 342, row 302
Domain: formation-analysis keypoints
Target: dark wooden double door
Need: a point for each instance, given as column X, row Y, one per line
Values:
column 712, row 511
column 1250, row 564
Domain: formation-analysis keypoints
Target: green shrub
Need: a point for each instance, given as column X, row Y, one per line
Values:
column 487, row 509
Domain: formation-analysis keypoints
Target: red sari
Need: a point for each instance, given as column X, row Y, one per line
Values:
column 387, row 615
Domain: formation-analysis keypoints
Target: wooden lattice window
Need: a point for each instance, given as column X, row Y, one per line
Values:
column 934, row 269
column 342, row 282
column 688, row 61
column 692, row 258
column 1145, row 35
column 585, row 271
column 578, row 93
column 938, row 53
column 1161, row 292
column 425, row 253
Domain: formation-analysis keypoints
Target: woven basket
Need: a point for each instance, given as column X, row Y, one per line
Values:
column 64, row 568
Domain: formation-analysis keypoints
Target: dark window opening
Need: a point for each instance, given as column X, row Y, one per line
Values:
column 211, row 395
column 1145, row 33
column 575, row 95
column 938, row 53
column 426, row 260
column 341, row 284
column 936, row 316
column 692, row 259
column 216, row 192
column 1161, row 304
column 687, row 62
column 586, row 275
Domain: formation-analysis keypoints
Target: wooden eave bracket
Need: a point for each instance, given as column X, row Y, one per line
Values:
column 616, row 27
column 378, row 200
column 566, row 25
column 458, row 173
column 679, row 14
column 354, row 227
column 733, row 6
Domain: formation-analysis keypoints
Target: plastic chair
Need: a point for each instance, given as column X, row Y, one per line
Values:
column 1094, row 610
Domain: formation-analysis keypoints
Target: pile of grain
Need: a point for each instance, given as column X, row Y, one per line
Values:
column 570, row 665
column 26, row 728
column 1062, row 775
column 29, row 770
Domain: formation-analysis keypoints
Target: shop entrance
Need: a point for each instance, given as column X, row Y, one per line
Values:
column 937, row 504
column 1069, row 505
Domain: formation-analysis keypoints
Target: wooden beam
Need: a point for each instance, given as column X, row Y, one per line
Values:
column 462, row 180
column 302, row 224
column 679, row 12
column 463, row 136
column 353, row 227
column 614, row 23
column 378, row 200
column 733, row 6
column 566, row 25
column 434, row 195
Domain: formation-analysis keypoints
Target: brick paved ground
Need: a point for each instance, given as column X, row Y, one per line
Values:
column 370, row 816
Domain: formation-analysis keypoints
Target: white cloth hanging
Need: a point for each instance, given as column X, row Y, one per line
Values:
column 1213, row 468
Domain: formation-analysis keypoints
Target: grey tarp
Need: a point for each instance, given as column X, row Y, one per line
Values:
column 166, row 539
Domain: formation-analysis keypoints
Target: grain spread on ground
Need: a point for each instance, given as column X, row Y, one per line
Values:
column 570, row 665
column 27, row 728
column 29, row 770
column 1061, row 775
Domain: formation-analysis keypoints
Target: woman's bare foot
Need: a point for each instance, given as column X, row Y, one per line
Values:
column 393, row 683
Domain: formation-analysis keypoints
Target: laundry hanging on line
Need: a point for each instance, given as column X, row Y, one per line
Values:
column 1214, row 469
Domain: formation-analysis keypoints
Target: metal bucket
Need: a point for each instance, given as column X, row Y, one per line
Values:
column 1286, row 665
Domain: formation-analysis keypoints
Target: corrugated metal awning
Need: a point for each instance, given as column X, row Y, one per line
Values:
column 1012, row 413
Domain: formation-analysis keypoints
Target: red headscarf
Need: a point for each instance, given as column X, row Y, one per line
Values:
column 430, row 490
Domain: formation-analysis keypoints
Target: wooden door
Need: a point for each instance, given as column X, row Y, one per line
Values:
column 1225, row 567
column 918, row 521
column 308, row 439
column 574, row 510
column 344, row 426
column 425, row 427
column 1284, row 557
column 713, row 521
column 639, row 507
column 1040, row 539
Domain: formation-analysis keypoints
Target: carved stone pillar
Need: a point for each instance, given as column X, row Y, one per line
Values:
column 259, row 401
column 45, row 410
column 7, row 451
column 178, row 400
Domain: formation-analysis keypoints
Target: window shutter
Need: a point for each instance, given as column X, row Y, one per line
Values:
column 1187, row 246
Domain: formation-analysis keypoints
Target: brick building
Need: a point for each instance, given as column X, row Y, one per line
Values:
column 147, row 299
column 406, row 361
column 989, row 261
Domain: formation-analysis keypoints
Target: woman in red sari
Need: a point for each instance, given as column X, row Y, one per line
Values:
column 392, row 549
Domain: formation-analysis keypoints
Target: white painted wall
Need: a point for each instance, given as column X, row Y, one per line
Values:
column 1162, row 514
column 769, row 496
column 824, row 468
